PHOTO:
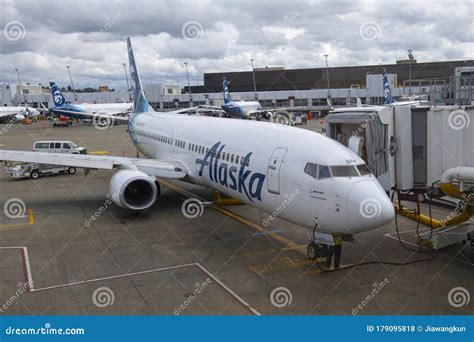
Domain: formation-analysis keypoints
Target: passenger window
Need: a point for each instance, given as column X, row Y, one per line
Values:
column 51, row 145
column 344, row 171
column 66, row 146
column 312, row 170
column 57, row 145
column 207, row 150
column 236, row 159
column 232, row 158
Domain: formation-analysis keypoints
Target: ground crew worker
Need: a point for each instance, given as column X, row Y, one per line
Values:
column 336, row 250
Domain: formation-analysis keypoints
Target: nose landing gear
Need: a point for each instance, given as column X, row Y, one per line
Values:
column 316, row 250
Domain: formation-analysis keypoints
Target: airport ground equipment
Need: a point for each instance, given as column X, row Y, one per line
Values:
column 456, row 227
column 34, row 171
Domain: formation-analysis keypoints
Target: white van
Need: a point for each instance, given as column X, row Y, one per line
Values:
column 58, row 147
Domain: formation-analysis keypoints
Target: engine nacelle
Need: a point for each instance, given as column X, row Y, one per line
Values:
column 134, row 190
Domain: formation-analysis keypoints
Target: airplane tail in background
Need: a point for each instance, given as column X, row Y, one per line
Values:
column 58, row 97
column 140, row 103
column 225, row 91
column 387, row 92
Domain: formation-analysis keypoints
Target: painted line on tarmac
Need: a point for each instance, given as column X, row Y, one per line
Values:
column 29, row 278
column 288, row 243
column 31, row 221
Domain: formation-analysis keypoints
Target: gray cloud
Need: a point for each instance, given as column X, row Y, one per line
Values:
column 90, row 36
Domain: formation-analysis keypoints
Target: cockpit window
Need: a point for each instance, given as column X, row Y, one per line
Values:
column 363, row 169
column 317, row 171
column 344, row 171
column 312, row 170
column 323, row 172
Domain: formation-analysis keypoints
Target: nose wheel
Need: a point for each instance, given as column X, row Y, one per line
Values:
column 316, row 250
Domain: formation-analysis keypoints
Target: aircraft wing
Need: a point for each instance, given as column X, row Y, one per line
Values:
column 152, row 167
column 87, row 115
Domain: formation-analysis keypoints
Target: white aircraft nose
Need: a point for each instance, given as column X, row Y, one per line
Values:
column 368, row 206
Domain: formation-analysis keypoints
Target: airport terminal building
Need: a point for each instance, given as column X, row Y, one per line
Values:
column 448, row 82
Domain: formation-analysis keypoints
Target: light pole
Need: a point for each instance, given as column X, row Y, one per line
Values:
column 189, row 87
column 410, row 56
column 327, row 74
column 21, row 86
column 254, row 83
column 126, row 78
column 72, row 84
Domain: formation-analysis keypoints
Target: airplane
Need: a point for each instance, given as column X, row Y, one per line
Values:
column 320, row 184
column 18, row 113
column 387, row 95
column 242, row 109
column 61, row 106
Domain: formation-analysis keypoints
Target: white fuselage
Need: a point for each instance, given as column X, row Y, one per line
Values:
column 19, row 112
column 273, row 178
column 107, row 108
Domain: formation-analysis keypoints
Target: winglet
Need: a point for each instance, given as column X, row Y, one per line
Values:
column 140, row 103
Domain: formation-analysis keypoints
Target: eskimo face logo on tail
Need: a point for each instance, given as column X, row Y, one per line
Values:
column 58, row 98
column 237, row 178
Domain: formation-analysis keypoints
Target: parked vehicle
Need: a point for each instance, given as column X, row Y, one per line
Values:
column 59, row 146
column 58, row 122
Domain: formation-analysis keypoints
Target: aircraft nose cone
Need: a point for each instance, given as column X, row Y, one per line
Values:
column 368, row 206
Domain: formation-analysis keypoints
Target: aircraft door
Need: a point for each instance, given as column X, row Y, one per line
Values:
column 273, row 170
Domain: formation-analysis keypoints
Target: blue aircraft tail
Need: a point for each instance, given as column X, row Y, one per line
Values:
column 58, row 97
column 140, row 104
column 225, row 91
column 387, row 92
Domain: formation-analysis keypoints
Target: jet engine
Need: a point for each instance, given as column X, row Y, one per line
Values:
column 135, row 190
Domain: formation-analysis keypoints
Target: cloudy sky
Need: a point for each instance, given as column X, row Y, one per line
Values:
column 41, row 37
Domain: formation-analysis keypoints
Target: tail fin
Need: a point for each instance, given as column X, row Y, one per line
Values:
column 58, row 97
column 140, row 104
column 387, row 92
column 225, row 91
